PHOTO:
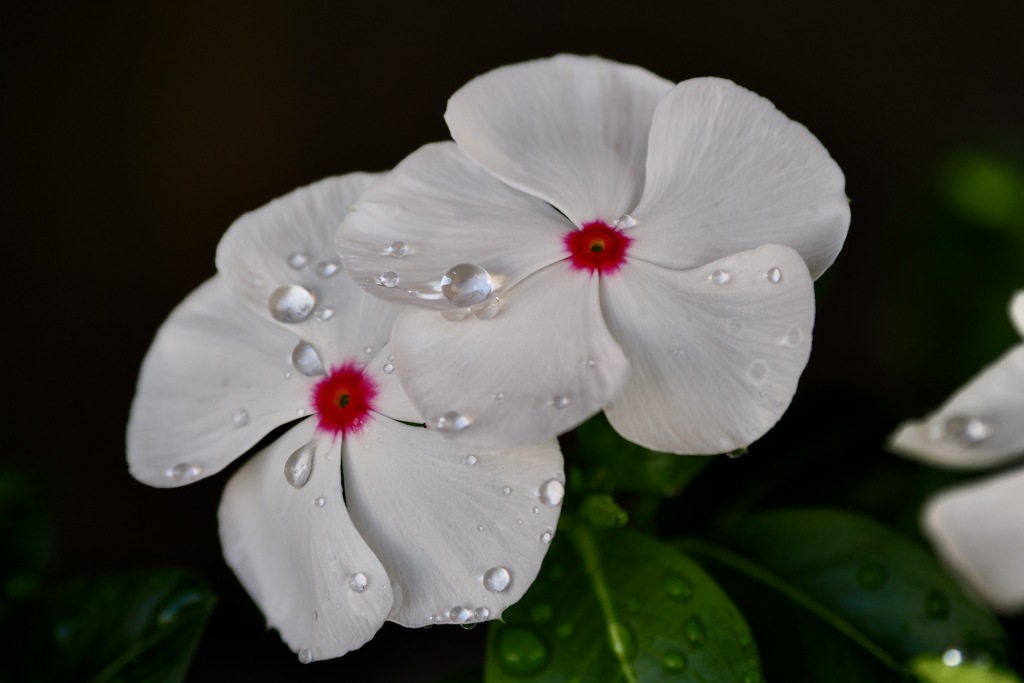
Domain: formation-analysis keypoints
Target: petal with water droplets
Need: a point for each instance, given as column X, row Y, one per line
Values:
column 420, row 505
column 295, row 557
column 714, row 361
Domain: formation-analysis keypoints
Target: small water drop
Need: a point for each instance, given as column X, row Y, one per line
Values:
column 466, row 284
column 535, row 510
column 694, row 630
column 961, row 429
column 305, row 655
column 738, row 453
column 388, row 368
column 720, row 277
column 358, row 582
column 561, row 402
column 455, row 314
column 678, row 587
column 481, row 614
column 328, row 268
column 499, row 396
column 952, row 657
column 625, row 222
column 521, row 652
column 389, row 279
column 589, row 363
column 239, row 418
column 306, row 360
column 872, row 575
column 460, row 615
column 298, row 260
column 367, row 350
column 506, row 490
column 319, row 502
column 937, row 606
column 291, row 304
column 183, row 473
column 323, row 313
column 480, row 527
column 497, row 579
column 315, row 615
column 519, row 522
column 546, row 537
column 678, row 351
column 488, row 309
column 552, row 492
column 452, row 422
column 774, row 276
column 398, row 249
column 470, row 459
column 287, row 374
column 300, row 412
column 674, row 662
column 299, row 465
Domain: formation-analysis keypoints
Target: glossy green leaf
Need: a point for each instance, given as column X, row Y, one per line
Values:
column 617, row 606
column 127, row 628
column 948, row 668
column 879, row 590
column 613, row 463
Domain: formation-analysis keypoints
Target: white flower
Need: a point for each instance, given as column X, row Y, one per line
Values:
column 978, row 528
column 426, row 532
column 614, row 238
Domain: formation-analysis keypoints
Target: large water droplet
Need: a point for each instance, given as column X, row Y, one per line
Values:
column 937, row 606
column 299, row 465
column 298, row 260
column 720, row 277
column 625, row 222
column 398, row 249
column 551, row 492
column 239, row 418
column 306, row 360
column 452, row 422
column 497, row 579
column 481, row 614
column 962, row 429
column 358, row 582
column 305, row 655
column 521, row 652
column 291, row 304
column 774, row 276
column 388, row 368
column 466, row 284
column 323, row 313
column 328, row 268
column 389, row 279
column 488, row 309
column 460, row 615
column 674, row 662
column 872, row 575
column 183, row 473
column 678, row 587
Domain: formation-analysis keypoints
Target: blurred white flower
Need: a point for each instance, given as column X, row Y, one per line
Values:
column 600, row 238
column 978, row 528
column 426, row 531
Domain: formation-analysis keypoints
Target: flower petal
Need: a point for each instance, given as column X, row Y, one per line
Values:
column 297, row 552
column 216, row 380
column 979, row 426
column 440, row 210
column 391, row 400
column 290, row 243
column 1017, row 311
column 440, row 517
column 727, row 171
column 715, row 352
column 541, row 366
column 570, row 130
column 979, row 530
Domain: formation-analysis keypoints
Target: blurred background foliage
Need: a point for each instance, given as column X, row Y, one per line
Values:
column 133, row 134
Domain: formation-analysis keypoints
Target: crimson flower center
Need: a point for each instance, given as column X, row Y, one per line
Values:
column 343, row 399
column 597, row 247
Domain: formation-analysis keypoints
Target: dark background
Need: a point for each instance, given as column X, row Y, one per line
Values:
column 134, row 133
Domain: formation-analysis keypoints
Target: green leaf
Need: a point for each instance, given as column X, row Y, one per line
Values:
column 135, row 627
column 940, row 669
column 617, row 606
column 871, row 585
column 612, row 463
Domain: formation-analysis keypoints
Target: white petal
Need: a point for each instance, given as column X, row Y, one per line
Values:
column 541, row 366
column 1017, row 311
column 443, row 210
column 391, row 399
column 216, row 380
column 979, row 530
column 979, row 426
column 420, row 503
column 715, row 352
column 727, row 172
column 570, row 130
column 295, row 550
column 290, row 242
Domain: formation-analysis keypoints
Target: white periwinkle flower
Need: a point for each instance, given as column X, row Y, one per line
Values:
column 280, row 337
column 599, row 238
column 978, row 528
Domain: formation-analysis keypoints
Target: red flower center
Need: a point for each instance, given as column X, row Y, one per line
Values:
column 344, row 399
column 597, row 247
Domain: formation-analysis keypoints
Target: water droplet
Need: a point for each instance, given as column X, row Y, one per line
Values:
column 470, row 459
column 678, row 351
column 323, row 313
column 389, row 279
column 738, row 453
column 287, row 374
column 328, row 268
column 299, row 465
column 546, row 537
column 455, row 314
column 872, row 575
column 315, row 615
column 561, row 402
column 319, row 502
column 937, row 606
column 535, row 510
column 962, row 429
column 521, row 652
column 466, row 284
column 488, row 310
column 952, row 657
column 519, row 522
column 695, row 631
column 452, row 422
column 306, row 360
column 300, row 412
column 720, row 277
column 460, row 615
column 678, row 587
column 291, row 304
column 499, row 396
column 469, row 627
column 357, row 582
column 541, row 613
column 625, row 222
column 774, row 276
column 551, row 492
column 589, row 363
column 497, row 579
column 481, row 614
column 674, row 662
column 239, row 418
column 757, row 371
column 388, row 368
column 505, row 490
column 398, row 249
column 298, row 260
column 480, row 527
column 305, row 655
column 752, row 677
column 183, row 473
